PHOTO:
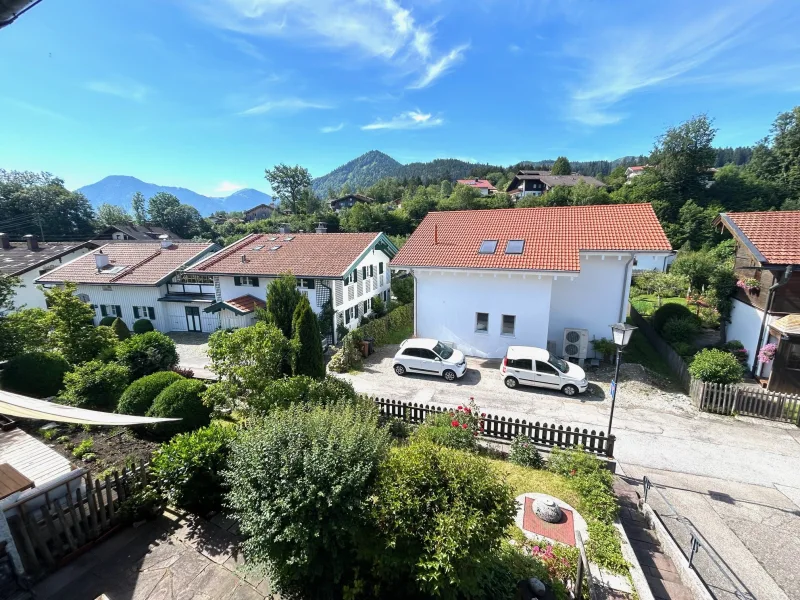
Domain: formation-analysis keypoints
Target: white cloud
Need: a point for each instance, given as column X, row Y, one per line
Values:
column 228, row 187
column 285, row 105
column 436, row 69
column 37, row 110
column 514, row 49
column 122, row 88
column 382, row 29
column 413, row 119
column 332, row 128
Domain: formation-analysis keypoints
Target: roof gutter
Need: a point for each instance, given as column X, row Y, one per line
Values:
column 787, row 274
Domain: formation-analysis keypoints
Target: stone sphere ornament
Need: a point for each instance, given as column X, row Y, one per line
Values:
column 547, row 510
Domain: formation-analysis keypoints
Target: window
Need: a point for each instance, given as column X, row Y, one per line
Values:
column 515, row 246
column 509, row 322
column 427, row 354
column 793, row 356
column 545, row 368
column 558, row 363
column 306, row 284
column 482, row 322
column 380, row 268
column 110, row 310
column 347, row 316
column 251, row 281
column 144, row 312
column 412, row 352
column 488, row 247
column 191, row 278
column 521, row 363
column 443, row 350
column 371, row 270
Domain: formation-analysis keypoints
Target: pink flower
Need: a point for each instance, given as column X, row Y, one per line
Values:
column 460, row 408
column 454, row 423
column 483, row 414
column 464, row 426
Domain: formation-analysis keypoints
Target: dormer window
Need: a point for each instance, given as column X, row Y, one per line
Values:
column 488, row 247
column 515, row 246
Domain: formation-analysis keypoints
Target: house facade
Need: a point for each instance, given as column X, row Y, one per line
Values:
column 553, row 277
column 766, row 307
column 258, row 213
column 346, row 269
column 484, row 186
column 30, row 259
column 536, row 183
column 140, row 280
column 146, row 233
column 349, row 201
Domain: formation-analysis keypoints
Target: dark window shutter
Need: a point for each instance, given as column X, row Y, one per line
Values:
column 103, row 310
column 347, row 316
column 119, row 311
column 371, row 270
column 355, row 275
column 237, row 280
column 254, row 281
column 380, row 268
column 151, row 312
column 355, row 311
column 135, row 312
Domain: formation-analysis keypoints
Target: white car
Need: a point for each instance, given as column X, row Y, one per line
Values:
column 526, row 365
column 430, row 357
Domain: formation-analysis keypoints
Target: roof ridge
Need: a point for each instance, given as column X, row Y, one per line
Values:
column 215, row 258
column 132, row 268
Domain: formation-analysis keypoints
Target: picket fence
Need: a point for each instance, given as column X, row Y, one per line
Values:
column 505, row 428
column 745, row 400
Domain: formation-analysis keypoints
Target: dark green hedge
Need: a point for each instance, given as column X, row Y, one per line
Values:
column 37, row 374
column 139, row 396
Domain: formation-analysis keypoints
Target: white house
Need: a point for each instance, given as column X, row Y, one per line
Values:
column 484, row 186
column 347, row 269
column 30, row 259
column 553, row 277
column 143, row 280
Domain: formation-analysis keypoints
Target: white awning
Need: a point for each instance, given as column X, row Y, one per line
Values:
column 30, row 408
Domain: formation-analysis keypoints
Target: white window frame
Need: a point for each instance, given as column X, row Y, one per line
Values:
column 111, row 310
column 482, row 331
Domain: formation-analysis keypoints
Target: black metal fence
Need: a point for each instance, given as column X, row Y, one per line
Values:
column 506, row 428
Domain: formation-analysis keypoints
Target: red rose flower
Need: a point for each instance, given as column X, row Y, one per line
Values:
column 464, row 426
column 454, row 423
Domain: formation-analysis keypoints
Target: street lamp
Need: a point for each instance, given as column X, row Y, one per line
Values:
column 621, row 334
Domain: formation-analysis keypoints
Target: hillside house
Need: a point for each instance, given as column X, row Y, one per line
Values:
column 553, row 277
column 349, row 201
column 632, row 172
column 129, row 233
column 258, row 213
column 484, row 186
column 347, row 269
column 140, row 280
column 536, row 183
column 30, row 259
column 766, row 307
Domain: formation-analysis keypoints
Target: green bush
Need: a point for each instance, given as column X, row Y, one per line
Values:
column 378, row 306
column 680, row 329
column 84, row 448
column 349, row 356
column 438, row 515
column 448, row 429
column 525, row 453
column 138, row 397
column 24, row 331
column 94, row 385
column 188, row 468
column 281, row 393
column 604, row 347
column 716, row 366
column 384, row 330
column 49, row 369
column 307, row 357
column 142, row 326
column 120, row 329
column 183, row 400
column 403, row 289
column 300, row 485
column 507, row 566
column 684, row 349
column 669, row 311
column 147, row 353
column 107, row 321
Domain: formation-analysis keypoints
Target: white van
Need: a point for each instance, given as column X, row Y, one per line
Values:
column 526, row 365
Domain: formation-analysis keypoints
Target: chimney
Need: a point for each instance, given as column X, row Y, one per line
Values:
column 244, row 258
column 285, row 228
column 100, row 260
column 322, row 228
column 165, row 241
column 4, row 243
column 32, row 242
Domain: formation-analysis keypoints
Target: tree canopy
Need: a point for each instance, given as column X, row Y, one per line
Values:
column 561, row 166
column 288, row 183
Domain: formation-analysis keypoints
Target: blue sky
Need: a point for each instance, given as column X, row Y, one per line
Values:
column 207, row 93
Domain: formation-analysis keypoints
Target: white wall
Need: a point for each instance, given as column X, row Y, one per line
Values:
column 126, row 297
column 176, row 316
column 590, row 300
column 745, row 325
column 447, row 303
column 31, row 296
column 653, row 262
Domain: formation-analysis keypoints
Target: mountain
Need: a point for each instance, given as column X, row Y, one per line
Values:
column 358, row 173
column 119, row 189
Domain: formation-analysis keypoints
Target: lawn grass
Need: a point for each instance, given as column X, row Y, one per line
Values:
column 525, row 480
column 647, row 304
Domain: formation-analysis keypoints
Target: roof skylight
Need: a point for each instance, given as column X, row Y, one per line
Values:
column 275, row 247
column 257, row 247
column 515, row 246
column 488, row 247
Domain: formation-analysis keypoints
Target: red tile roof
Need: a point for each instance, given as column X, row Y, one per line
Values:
column 554, row 236
column 775, row 234
column 636, row 168
column 142, row 264
column 303, row 254
column 246, row 304
column 477, row 183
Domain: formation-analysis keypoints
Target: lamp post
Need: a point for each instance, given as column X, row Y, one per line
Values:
column 621, row 334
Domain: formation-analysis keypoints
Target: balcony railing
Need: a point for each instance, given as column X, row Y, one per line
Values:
column 190, row 288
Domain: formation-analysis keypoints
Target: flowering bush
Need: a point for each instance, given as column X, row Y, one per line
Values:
column 767, row 353
column 561, row 562
column 455, row 429
column 749, row 284
column 738, row 350
column 524, row 453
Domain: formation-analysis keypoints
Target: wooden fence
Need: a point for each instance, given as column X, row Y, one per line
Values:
column 745, row 400
column 674, row 360
column 506, row 428
column 49, row 531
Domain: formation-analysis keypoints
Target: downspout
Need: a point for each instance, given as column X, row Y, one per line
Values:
column 625, row 279
column 767, row 307
column 414, row 277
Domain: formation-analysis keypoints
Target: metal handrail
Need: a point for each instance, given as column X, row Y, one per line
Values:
column 696, row 542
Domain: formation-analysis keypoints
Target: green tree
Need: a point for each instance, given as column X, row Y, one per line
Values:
column 445, row 188
column 160, row 207
column 139, row 205
column 684, row 157
column 282, row 300
column 403, row 289
column 696, row 267
column 111, row 214
column 463, row 197
column 120, row 329
column 307, row 358
column 560, row 195
column 73, row 331
column 561, row 166
column 419, row 204
column 24, row 331
column 287, row 183
column 694, row 228
column 95, row 385
column 584, row 193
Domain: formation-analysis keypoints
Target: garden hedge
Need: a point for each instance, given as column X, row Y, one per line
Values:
column 716, row 366
column 142, row 326
column 147, row 353
column 37, row 374
column 94, row 385
column 669, row 311
column 183, row 400
column 139, row 396
column 381, row 328
column 107, row 321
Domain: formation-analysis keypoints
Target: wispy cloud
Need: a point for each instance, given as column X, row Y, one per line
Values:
column 243, row 46
column 384, row 97
column 286, row 105
column 37, row 110
column 228, row 187
column 122, row 88
column 413, row 119
column 332, row 128
column 382, row 29
column 514, row 48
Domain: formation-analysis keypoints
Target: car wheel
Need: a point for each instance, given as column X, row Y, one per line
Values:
column 400, row 369
column 511, row 383
column 449, row 375
column 569, row 390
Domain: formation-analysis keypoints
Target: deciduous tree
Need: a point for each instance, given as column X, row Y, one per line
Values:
column 111, row 214
column 287, row 183
column 73, row 331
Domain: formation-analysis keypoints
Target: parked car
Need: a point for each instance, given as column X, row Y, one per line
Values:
column 431, row 357
column 526, row 365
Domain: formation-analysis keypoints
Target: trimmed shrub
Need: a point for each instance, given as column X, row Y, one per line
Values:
column 142, row 326
column 300, row 485
column 120, row 329
column 94, row 385
column 525, row 453
column 403, row 289
column 107, row 321
column 680, row 329
column 667, row 312
column 438, row 515
column 37, row 374
column 139, row 396
column 381, row 329
column 183, row 400
column 716, row 366
column 147, row 353
column 189, row 467
column 281, row 393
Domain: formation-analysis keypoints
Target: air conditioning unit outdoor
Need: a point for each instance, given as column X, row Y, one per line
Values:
column 576, row 345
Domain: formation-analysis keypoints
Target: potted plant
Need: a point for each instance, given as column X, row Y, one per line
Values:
column 750, row 285
column 767, row 353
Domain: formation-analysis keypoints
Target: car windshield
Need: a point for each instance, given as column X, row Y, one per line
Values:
column 443, row 350
column 558, row 363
